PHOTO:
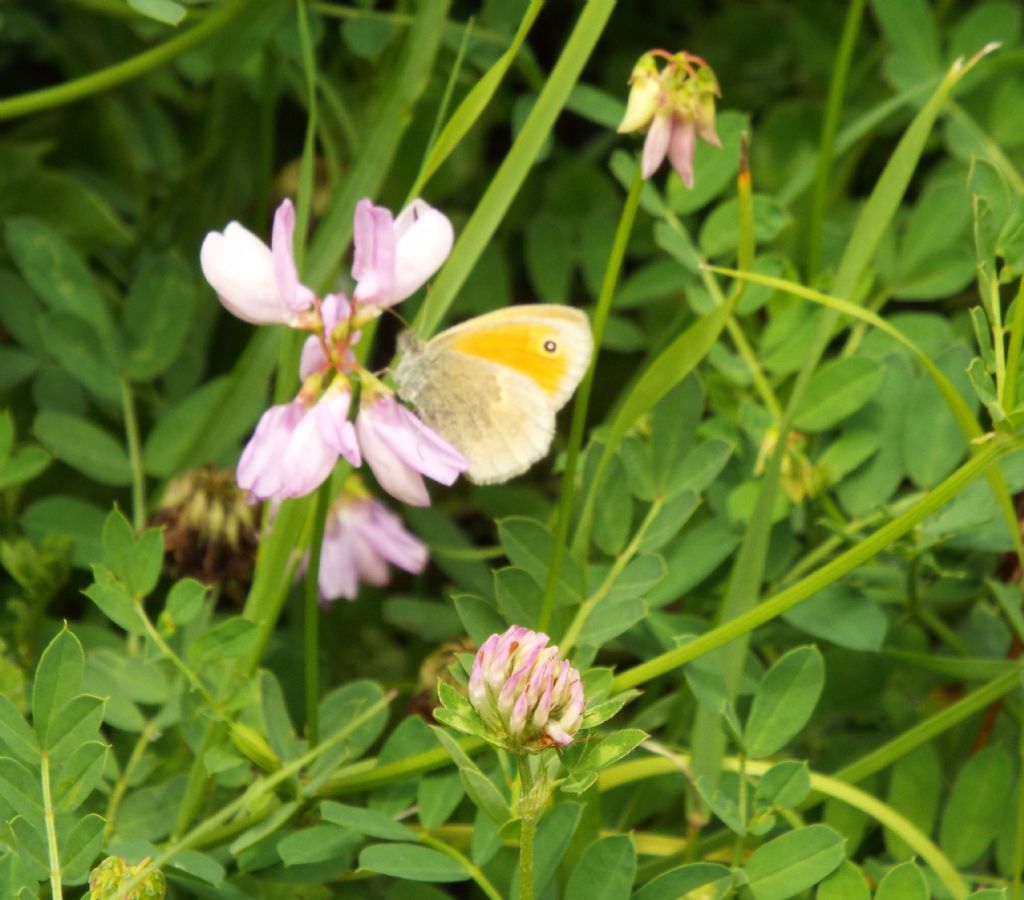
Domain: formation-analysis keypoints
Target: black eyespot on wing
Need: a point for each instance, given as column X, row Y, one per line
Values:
column 550, row 346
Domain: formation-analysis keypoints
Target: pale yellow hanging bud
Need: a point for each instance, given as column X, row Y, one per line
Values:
column 642, row 104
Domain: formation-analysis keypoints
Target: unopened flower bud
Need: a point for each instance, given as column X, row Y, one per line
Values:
column 525, row 692
column 106, row 880
column 645, row 84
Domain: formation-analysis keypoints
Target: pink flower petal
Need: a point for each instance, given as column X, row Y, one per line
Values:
column 296, row 297
column 681, row 147
column 424, row 240
column 656, row 144
column 259, row 469
column 373, row 266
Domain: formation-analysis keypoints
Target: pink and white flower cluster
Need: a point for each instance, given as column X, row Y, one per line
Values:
column 296, row 445
column 362, row 538
column 676, row 105
column 525, row 692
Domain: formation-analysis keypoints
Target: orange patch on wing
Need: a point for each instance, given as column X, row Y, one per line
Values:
column 519, row 346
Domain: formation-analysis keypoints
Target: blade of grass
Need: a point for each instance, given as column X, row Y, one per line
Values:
column 122, row 72
column 829, row 127
column 474, row 103
column 961, row 411
column 829, row 573
column 516, row 166
column 391, row 118
column 745, row 579
column 582, row 401
column 885, row 815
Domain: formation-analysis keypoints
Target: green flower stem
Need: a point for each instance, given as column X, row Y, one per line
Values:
column 370, row 773
column 829, row 127
column 311, row 613
column 1008, row 398
column 582, row 402
column 131, row 432
column 965, row 419
column 50, row 818
column 826, row 575
column 527, row 827
column 588, row 606
column 129, row 69
column 924, row 731
column 149, row 734
column 256, row 791
column 475, row 872
column 831, row 786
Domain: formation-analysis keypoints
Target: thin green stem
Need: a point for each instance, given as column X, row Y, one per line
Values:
column 129, row 69
column 149, row 734
column 920, row 843
column 191, row 677
column 475, row 872
column 258, row 789
column 311, row 613
column 924, row 731
column 1008, row 398
column 588, row 606
column 131, row 432
column 50, row 818
column 830, row 572
column 582, row 402
column 527, row 828
column 829, row 128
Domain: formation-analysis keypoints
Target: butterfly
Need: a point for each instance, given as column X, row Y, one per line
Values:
column 492, row 385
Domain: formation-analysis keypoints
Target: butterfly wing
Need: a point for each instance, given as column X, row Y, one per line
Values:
column 549, row 344
column 500, row 420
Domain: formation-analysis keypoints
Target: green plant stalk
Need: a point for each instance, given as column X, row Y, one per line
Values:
column 370, row 773
column 131, row 433
column 311, row 615
column 527, row 827
column 829, row 573
column 259, row 788
column 581, row 404
column 884, row 756
column 826, row 143
column 968, row 425
column 129, row 69
column 474, row 103
column 149, row 733
column 668, row 369
column 516, row 166
column 920, row 843
column 1008, row 398
column 50, row 818
column 747, row 573
column 588, row 606
column 475, row 872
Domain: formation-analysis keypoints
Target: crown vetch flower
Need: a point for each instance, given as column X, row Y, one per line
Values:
column 257, row 283
column 296, row 445
column 394, row 257
column 525, row 692
column 399, row 449
column 676, row 106
column 362, row 539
